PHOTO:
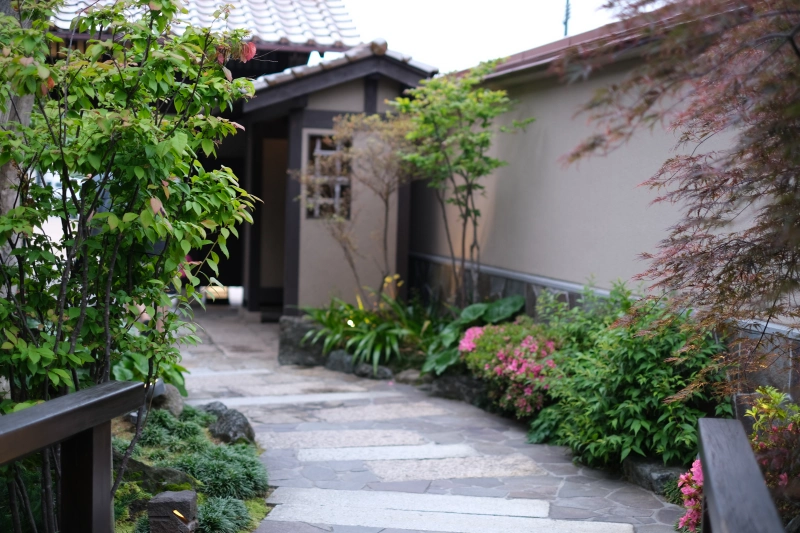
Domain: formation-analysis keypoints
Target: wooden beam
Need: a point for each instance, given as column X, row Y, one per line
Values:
column 253, row 179
column 86, row 463
column 371, row 94
column 735, row 495
column 48, row 423
column 291, row 245
column 390, row 68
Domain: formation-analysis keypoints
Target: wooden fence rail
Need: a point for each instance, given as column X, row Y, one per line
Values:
column 735, row 496
column 81, row 422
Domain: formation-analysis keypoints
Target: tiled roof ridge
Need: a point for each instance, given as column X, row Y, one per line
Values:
column 303, row 22
column 376, row 47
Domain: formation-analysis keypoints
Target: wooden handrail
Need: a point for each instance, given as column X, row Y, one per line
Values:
column 735, row 495
column 81, row 423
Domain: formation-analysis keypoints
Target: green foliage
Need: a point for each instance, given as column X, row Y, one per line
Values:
column 142, row 525
column 224, row 471
column 223, row 515
column 625, row 388
column 452, row 120
column 201, row 418
column 111, row 151
column 384, row 334
column 127, row 495
column 672, row 493
column 442, row 352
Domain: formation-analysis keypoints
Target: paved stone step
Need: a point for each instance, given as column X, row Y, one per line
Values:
column 389, row 411
column 377, row 453
column 322, row 397
column 491, row 466
column 350, row 438
column 424, row 512
column 203, row 372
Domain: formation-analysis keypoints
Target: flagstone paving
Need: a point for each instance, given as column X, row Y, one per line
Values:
column 351, row 455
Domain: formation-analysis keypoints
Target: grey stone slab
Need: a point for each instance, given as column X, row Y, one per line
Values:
column 339, row 439
column 655, row 528
column 401, row 486
column 572, row 490
column 293, row 399
column 633, row 512
column 532, row 481
column 290, row 527
column 356, row 529
column 485, row 482
column 634, row 497
column 299, row 482
column 387, row 411
column 277, row 475
column 591, row 503
column 537, row 493
column 669, row 515
column 493, row 449
column 448, row 437
column 376, row 500
column 466, row 467
column 337, row 485
column 570, row 513
column 559, row 469
column 318, row 473
column 479, row 491
column 346, row 466
column 379, row 453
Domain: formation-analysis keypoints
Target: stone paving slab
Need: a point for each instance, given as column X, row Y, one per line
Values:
column 375, row 442
column 373, row 453
column 437, row 521
column 339, row 439
column 292, row 399
column 380, row 412
column 409, row 502
column 467, row 467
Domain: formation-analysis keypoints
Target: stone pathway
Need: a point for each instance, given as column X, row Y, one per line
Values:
column 351, row 455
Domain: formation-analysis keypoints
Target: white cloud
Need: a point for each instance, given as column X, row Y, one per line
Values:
column 458, row 34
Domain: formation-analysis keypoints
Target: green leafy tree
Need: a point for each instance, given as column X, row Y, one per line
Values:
column 110, row 154
column 452, row 128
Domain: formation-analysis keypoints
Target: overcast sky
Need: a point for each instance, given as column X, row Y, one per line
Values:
column 457, row 34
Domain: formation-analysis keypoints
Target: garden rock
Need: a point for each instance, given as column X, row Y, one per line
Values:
column 154, row 479
column 794, row 525
column 650, row 474
column 231, row 425
column 365, row 370
column 291, row 348
column 161, row 512
column 465, row 388
column 340, row 361
column 409, row 377
column 171, row 400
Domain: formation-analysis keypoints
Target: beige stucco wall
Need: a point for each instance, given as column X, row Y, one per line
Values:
column 345, row 97
column 387, row 90
column 324, row 272
column 564, row 222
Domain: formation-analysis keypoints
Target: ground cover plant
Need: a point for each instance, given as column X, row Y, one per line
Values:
column 616, row 389
column 230, row 480
column 105, row 140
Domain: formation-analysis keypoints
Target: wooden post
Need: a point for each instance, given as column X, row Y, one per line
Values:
column 86, row 482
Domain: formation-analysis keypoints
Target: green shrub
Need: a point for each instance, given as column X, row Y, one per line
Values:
column 443, row 353
column 197, row 416
column 129, row 495
column 226, row 471
column 385, row 334
column 513, row 359
column 223, row 515
column 614, row 382
column 142, row 525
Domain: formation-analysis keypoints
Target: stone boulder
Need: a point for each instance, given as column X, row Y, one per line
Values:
column 154, row 479
column 231, row 425
column 366, row 370
column 171, row 400
column 340, row 361
column 409, row 377
column 460, row 387
column 291, row 348
column 650, row 474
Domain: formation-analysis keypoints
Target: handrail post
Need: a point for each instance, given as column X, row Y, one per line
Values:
column 86, row 481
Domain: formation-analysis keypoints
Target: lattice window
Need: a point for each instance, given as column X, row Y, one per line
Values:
column 328, row 184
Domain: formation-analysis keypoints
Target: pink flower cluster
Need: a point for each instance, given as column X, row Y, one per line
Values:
column 467, row 343
column 691, row 485
column 522, row 372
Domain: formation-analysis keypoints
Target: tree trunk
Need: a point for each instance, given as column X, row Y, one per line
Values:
column 18, row 110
